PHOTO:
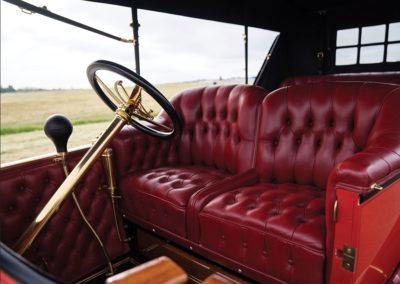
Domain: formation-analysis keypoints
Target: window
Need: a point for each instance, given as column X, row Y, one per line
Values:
column 368, row 45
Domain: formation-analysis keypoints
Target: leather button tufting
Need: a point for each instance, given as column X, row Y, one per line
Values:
column 226, row 132
column 151, row 176
column 176, row 184
column 163, row 180
column 183, row 176
column 301, row 221
column 290, row 261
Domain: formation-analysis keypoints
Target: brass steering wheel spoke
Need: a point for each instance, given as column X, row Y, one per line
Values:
column 117, row 98
column 145, row 118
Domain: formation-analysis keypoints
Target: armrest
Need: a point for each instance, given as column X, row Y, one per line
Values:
column 360, row 171
column 380, row 158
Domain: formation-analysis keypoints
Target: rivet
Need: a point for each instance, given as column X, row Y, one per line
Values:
column 191, row 248
column 154, row 230
column 239, row 270
column 123, row 216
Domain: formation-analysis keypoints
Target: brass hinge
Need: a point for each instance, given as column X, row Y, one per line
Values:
column 376, row 187
column 349, row 257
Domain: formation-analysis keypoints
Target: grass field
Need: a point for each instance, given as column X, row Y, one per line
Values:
column 23, row 115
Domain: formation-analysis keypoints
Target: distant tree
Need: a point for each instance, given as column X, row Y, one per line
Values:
column 9, row 89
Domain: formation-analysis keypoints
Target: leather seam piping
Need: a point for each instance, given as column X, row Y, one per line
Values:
column 258, row 125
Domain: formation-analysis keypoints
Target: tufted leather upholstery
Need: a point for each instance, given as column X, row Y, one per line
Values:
column 249, row 182
column 267, row 207
column 65, row 248
column 278, row 229
column 308, row 129
column 160, row 195
column 217, row 140
column 387, row 77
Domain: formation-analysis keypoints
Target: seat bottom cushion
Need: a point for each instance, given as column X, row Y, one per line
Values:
column 160, row 196
column 277, row 229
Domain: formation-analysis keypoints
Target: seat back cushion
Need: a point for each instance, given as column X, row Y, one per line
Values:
column 220, row 124
column 306, row 130
column 384, row 77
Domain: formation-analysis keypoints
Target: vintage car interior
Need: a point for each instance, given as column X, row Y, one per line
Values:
column 293, row 179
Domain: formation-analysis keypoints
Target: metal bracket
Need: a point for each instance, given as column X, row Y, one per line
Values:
column 349, row 258
column 376, row 187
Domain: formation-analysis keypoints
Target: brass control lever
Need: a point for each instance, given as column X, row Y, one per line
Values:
column 58, row 128
column 106, row 158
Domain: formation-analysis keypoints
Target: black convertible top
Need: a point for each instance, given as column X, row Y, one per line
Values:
column 273, row 15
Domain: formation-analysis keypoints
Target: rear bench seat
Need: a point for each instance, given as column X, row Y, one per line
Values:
column 385, row 77
column 250, row 182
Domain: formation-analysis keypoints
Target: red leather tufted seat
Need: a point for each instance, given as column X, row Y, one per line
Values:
column 382, row 77
column 278, row 229
column 217, row 140
column 264, row 204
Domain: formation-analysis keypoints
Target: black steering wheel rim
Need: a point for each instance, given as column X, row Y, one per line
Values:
column 140, row 81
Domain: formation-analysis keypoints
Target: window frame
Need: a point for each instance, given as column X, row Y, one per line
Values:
column 359, row 45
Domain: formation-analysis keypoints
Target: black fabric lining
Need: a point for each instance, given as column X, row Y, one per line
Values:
column 366, row 196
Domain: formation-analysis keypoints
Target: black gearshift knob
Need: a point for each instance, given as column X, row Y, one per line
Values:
column 58, row 128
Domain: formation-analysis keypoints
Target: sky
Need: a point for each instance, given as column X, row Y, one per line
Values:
column 43, row 53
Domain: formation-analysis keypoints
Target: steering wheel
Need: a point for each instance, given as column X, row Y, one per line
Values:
column 139, row 117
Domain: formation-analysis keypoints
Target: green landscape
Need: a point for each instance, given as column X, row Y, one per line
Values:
column 24, row 113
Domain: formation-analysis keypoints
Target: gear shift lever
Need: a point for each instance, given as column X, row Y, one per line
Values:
column 58, row 128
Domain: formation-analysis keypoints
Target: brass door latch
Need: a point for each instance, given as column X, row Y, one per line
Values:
column 349, row 258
